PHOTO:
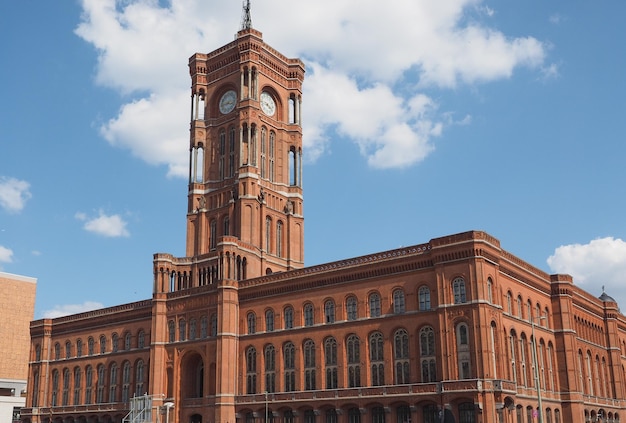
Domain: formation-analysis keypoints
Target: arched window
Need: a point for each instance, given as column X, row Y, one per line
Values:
column 226, row 227
column 66, row 387
column 374, row 301
column 115, row 341
column 490, row 290
column 222, row 153
column 126, row 381
column 204, row 327
column 272, row 147
column 270, row 369
column 171, row 331
column 127, row 341
column 353, row 346
column 77, row 385
column 467, row 412
column 309, row 365
column 268, row 234
column 88, row 384
column 462, row 341
column 378, row 415
column 458, row 290
column 519, row 306
column 139, row 379
column 79, row 348
column 251, row 370
column 377, row 359
column 113, row 383
column 329, row 311
column 513, row 348
column 288, row 317
column 331, row 416
column 103, row 344
column 57, row 351
column 213, row 325
column 213, row 234
column 182, row 330
column 330, row 360
column 351, row 308
column 251, row 323
column 269, row 320
column 509, row 302
column 55, row 388
column 289, row 362
column 279, row 238
column 424, row 298
column 401, row 357
column 354, row 415
column 403, row 413
column 68, row 349
column 100, row 384
column 308, row 315
column 398, row 301
column 427, row 355
column 90, row 346
column 193, row 329
column 263, row 151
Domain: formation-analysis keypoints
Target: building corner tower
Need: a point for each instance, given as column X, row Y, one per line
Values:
column 245, row 206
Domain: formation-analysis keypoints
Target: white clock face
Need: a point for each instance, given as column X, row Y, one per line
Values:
column 267, row 104
column 228, row 102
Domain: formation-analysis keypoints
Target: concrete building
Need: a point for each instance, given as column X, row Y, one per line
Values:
column 17, row 301
column 454, row 329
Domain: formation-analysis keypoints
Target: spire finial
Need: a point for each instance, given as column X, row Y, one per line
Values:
column 246, row 20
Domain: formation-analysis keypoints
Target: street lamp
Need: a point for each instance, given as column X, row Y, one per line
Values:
column 167, row 406
column 537, row 385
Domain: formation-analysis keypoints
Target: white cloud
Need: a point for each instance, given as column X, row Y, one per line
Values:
column 601, row 262
column 14, row 194
column 112, row 226
column 67, row 309
column 6, row 255
column 367, row 51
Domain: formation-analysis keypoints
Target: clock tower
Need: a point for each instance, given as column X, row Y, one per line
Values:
column 245, row 206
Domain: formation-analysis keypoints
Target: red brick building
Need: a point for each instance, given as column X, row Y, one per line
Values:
column 239, row 331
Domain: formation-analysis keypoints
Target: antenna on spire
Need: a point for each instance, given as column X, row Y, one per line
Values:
column 246, row 19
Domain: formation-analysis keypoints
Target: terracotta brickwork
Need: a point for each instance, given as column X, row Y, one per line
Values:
column 239, row 331
column 17, row 301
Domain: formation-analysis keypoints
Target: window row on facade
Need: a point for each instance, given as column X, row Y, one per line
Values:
column 89, row 385
column 295, row 368
column 375, row 308
column 102, row 346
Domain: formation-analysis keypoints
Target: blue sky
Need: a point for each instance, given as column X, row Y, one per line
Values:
column 421, row 119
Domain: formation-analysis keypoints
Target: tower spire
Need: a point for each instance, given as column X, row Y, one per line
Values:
column 246, row 19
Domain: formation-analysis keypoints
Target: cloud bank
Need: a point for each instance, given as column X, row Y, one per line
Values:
column 368, row 68
column 110, row 226
column 14, row 194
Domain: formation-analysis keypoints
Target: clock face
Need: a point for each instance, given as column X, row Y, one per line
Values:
column 228, row 102
column 267, row 104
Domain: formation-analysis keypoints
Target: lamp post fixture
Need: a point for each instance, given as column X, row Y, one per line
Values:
column 536, row 364
column 167, row 406
column 266, row 409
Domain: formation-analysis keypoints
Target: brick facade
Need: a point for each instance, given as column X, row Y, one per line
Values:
column 239, row 331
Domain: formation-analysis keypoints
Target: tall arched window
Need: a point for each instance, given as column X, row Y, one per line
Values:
column 424, row 298
column 182, row 330
column 100, row 384
column 213, row 234
column 127, row 341
column 329, row 311
column 288, row 317
column 513, row 349
column 103, row 344
column 374, row 301
column 115, row 343
column 79, row 348
column 204, row 327
column 251, row 370
column 193, row 329
column 113, row 383
column 77, row 385
column 272, row 147
column 377, row 359
column 126, row 381
column 213, row 326
column 351, row 308
column 88, row 385
column 90, row 346
column 398, row 301
column 330, row 360
column 462, row 340
column 427, row 355
column 226, row 227
column 353, row 346
column 490, row 290
column 66, row 387
column 222, row 153
column 251, row 323
column 289, row 363
column 68, row 349
column 171, row 331
column 263, row 151
column 139, row 379
column 269, row 320
column 458, row 290
column 309, row 365
column 268, row 234
column 57, row 351
column 270, row 369
column 308, row 315
column 509, row 302
column 519, row 306
column 55, row 388
column 279, row 238
column 401, row 357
